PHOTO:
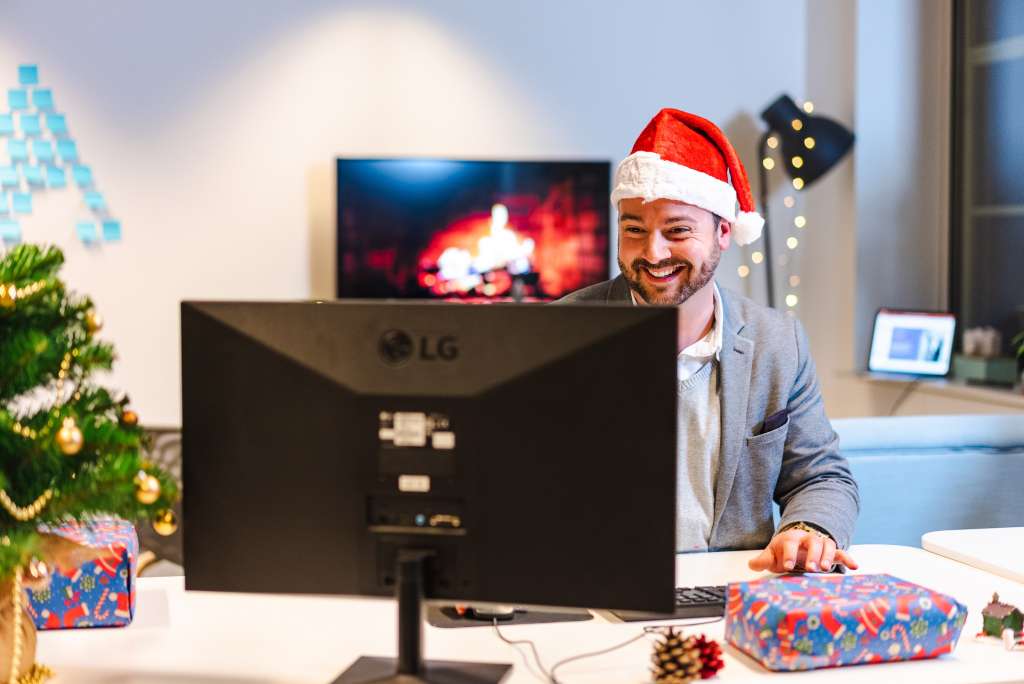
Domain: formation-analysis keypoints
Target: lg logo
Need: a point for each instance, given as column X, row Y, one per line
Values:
column 397, row 347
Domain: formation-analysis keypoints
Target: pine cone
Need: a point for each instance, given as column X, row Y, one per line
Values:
column 710, row 656
column 679, row 660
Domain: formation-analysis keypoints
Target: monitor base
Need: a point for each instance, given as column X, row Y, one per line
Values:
column 367, row 670
column 409, row 667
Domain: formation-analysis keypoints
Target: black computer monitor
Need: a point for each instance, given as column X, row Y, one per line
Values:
column 498, row 453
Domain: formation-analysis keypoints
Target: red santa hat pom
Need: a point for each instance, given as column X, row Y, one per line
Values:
column 681, row 156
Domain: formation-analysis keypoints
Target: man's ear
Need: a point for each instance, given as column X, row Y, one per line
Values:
column 724, row 234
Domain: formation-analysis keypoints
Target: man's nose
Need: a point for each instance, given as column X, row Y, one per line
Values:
column 657, row 248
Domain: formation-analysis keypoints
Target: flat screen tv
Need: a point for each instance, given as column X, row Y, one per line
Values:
column 471, row 230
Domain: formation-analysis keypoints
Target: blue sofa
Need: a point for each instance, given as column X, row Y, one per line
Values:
column 922, row 473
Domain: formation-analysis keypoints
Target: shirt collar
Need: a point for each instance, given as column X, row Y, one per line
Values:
column 711, row 344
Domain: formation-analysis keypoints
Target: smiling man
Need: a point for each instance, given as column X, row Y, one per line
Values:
column 751, row 424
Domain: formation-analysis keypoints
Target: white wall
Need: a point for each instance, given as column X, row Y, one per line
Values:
column 902, row 176
column 211, row 126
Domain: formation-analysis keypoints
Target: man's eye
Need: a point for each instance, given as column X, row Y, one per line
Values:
column 679, row 230
column 634, row 229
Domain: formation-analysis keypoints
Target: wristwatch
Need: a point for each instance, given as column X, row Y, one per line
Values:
column 808, row 527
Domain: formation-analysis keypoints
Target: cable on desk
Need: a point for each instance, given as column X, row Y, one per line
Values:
column 533, row 647
column 551, row 674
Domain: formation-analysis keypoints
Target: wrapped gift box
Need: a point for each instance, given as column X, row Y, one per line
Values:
column 100, row 593
column 803, row 622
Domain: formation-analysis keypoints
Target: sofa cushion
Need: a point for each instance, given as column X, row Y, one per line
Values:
column 918, row 474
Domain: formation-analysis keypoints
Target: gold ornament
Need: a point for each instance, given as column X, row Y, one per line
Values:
column 165, row 523
column 8, row 293
column 148, row 490
column 69, row 438
column 130, row 418
column 93, row 321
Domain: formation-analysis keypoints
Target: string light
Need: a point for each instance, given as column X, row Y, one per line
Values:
column 798, row 162
column 794, row 281
column 808, row 106
column 809, row 143
column 773, row 142
column 768, row 163
column 792, row 243
column 800, row 222
column 789, row 201
column 798, row 183
column 757, row 257
column 744, row 271
column 792, row 300
column 797, row 124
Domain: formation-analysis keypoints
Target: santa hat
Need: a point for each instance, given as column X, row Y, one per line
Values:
column 681, row 156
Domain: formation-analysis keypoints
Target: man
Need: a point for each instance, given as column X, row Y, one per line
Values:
column 752, row 425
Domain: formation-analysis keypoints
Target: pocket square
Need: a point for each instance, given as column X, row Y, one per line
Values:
column 774, row 421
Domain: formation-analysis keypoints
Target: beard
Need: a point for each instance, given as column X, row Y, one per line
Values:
column 687, row 282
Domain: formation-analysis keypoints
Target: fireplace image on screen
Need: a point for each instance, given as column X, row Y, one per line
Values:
column 471, row 230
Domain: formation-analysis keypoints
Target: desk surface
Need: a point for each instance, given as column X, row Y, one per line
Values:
column 999, row 550
column 214, row 638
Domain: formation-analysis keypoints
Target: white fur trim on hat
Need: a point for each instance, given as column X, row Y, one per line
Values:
column 747, row 227
column 647, row 176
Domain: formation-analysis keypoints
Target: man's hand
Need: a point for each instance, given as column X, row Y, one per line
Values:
column 800, row 551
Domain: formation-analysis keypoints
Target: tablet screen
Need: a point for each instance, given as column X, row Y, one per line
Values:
column 914, row 342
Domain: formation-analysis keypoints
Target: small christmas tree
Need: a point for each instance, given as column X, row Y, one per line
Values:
column 69, row 450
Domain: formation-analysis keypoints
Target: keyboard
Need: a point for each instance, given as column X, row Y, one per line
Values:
column 691, row 602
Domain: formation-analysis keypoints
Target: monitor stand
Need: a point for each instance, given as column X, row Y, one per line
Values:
column 409, row 667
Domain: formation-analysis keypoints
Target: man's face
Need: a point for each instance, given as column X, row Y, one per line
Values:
column 668, row 250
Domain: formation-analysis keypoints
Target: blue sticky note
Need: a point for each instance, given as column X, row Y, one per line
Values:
column 21, row 202
column 33, row 174
column 28, row 74
column 5, row 206
column 17, row 98
column 82, row 175
column 42, row 98
column 43, row 150
column 6, row 124
column 94, row 200
column 17, row 149
column 86, row 231
column 112, row 230
column 8, row 177
column 55, row 177
column 57, row 124
column 10, row 231
column 30, row 124
column 67, row 150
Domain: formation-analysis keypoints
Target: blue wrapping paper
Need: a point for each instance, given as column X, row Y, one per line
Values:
column 99, row 593
column 804, row 622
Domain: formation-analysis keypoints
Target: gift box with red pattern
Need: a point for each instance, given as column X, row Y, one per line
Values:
column 803, row 622
column 99, row 593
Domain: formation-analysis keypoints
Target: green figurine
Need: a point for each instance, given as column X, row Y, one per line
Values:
column 998, row 617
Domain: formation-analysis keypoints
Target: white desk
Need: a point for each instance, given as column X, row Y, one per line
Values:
column 212, row 638
column 999, row 550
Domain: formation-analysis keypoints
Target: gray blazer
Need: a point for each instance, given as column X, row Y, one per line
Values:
column 766, row 367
